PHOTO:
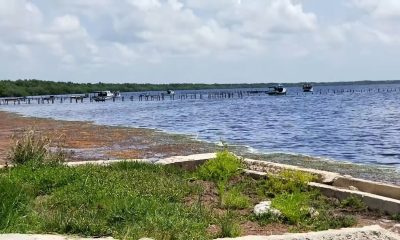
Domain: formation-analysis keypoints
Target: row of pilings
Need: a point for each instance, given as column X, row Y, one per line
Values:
column 157, row 96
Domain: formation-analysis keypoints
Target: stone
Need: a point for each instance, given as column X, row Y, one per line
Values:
column 313, row 212
column 265, row 207
column 353, row 188
column 395, row 229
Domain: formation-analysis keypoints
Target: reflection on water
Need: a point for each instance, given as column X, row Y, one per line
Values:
column 361, row 127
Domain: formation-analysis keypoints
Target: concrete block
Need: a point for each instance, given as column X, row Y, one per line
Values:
column 374, row 202
column 382, row 189
column 373, row 232
column 190, row 162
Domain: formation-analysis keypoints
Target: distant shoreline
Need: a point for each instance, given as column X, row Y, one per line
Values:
column 33, row 87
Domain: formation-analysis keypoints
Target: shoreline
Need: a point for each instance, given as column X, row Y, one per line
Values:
column 87, row 141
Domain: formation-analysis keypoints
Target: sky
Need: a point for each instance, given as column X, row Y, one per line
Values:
column 200, row 41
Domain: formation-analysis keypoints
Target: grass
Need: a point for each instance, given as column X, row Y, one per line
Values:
column 234, row 199
column 126, row 200
column 222, row 168
column 287, row 181
column 229, row 228
column 35, row 148
column 355, row 203
column 134, row 200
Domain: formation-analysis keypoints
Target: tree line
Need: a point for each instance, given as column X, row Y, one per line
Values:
column 34, row 87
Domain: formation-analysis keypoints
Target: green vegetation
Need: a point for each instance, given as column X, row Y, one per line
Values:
column 222, row 168
column 234, row 199
column 21, row 88
column 34, row 148
column 354, row 203
column 125, row 200
column 288, row 182
column 229, row 228
column 134, row 200
column 33, row 87
column 396, row 217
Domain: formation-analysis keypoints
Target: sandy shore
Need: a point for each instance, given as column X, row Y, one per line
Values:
column 87, row 141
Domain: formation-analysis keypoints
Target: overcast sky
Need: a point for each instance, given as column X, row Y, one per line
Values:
column 208, row 41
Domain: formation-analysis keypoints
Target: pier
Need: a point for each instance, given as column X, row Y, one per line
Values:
column 186, row 95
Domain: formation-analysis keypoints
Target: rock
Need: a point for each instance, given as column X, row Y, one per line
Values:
column 395, row 229
column 313, row 212
column 265, row 207
column 353, row 188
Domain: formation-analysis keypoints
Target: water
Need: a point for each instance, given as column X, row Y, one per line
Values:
column 360, row 127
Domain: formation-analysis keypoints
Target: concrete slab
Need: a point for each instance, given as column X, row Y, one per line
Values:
column 374, row 202
column 190, row 162
column 45, row 237
column 105, row 162
column 271, row 167
column 373, row 232
column 382, row 189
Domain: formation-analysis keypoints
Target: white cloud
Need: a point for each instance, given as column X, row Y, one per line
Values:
column 76, row 34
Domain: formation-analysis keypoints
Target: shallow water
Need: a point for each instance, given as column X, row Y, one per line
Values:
column 360, row 127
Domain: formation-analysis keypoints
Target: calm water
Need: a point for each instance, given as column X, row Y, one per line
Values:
column 361, row 127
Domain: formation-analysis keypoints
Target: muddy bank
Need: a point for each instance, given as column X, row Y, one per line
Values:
column 87, row 141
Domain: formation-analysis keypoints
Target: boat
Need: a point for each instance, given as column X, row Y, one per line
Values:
column 307, row 87
column 277, row 90
column 101, row 96
column 170, row 92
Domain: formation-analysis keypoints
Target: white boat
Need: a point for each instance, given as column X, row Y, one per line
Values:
column 170, row 92
column 277, row 90
column 308, row 88
column 101, row 96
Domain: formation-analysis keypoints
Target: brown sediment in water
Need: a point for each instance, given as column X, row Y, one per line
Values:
column 87, row 141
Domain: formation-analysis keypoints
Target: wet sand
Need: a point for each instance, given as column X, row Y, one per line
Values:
column 87, row 141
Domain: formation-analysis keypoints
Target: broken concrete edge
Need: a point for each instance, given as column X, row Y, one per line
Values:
column 17, row 236
column 344, row 233
column 373, row 201
column 377, row 188
column 373, row 231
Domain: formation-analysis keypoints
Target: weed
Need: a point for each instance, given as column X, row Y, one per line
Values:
column 234, row 199
column 266, row 218
column 396, row 217
column 354, row 203
column 33, row 147
column 288, row 181
column 229, row 228
column 220, row 169
column 294, row 206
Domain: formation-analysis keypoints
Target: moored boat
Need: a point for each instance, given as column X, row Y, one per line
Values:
column 277, row 90
column 101, row 96
column 307, row 87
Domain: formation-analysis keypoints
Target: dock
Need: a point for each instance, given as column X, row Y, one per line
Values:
column 186, row 95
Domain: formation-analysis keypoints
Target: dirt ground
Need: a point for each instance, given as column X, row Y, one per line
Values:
column 87, row 141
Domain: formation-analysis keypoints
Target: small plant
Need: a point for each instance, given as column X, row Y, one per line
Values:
column 266, row 218
column 234, row 199
column 33, row 147
column 220, row 169
column 396, row 217
column 229, row 228
column 288, row 181
column 294, row 206
column 354, row 203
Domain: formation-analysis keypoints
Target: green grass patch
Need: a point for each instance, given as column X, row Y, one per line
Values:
column 234, row 199
column 355, row 203
column 222, row 168
column 287, row 181
column 229, row 227
column 125, row 200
